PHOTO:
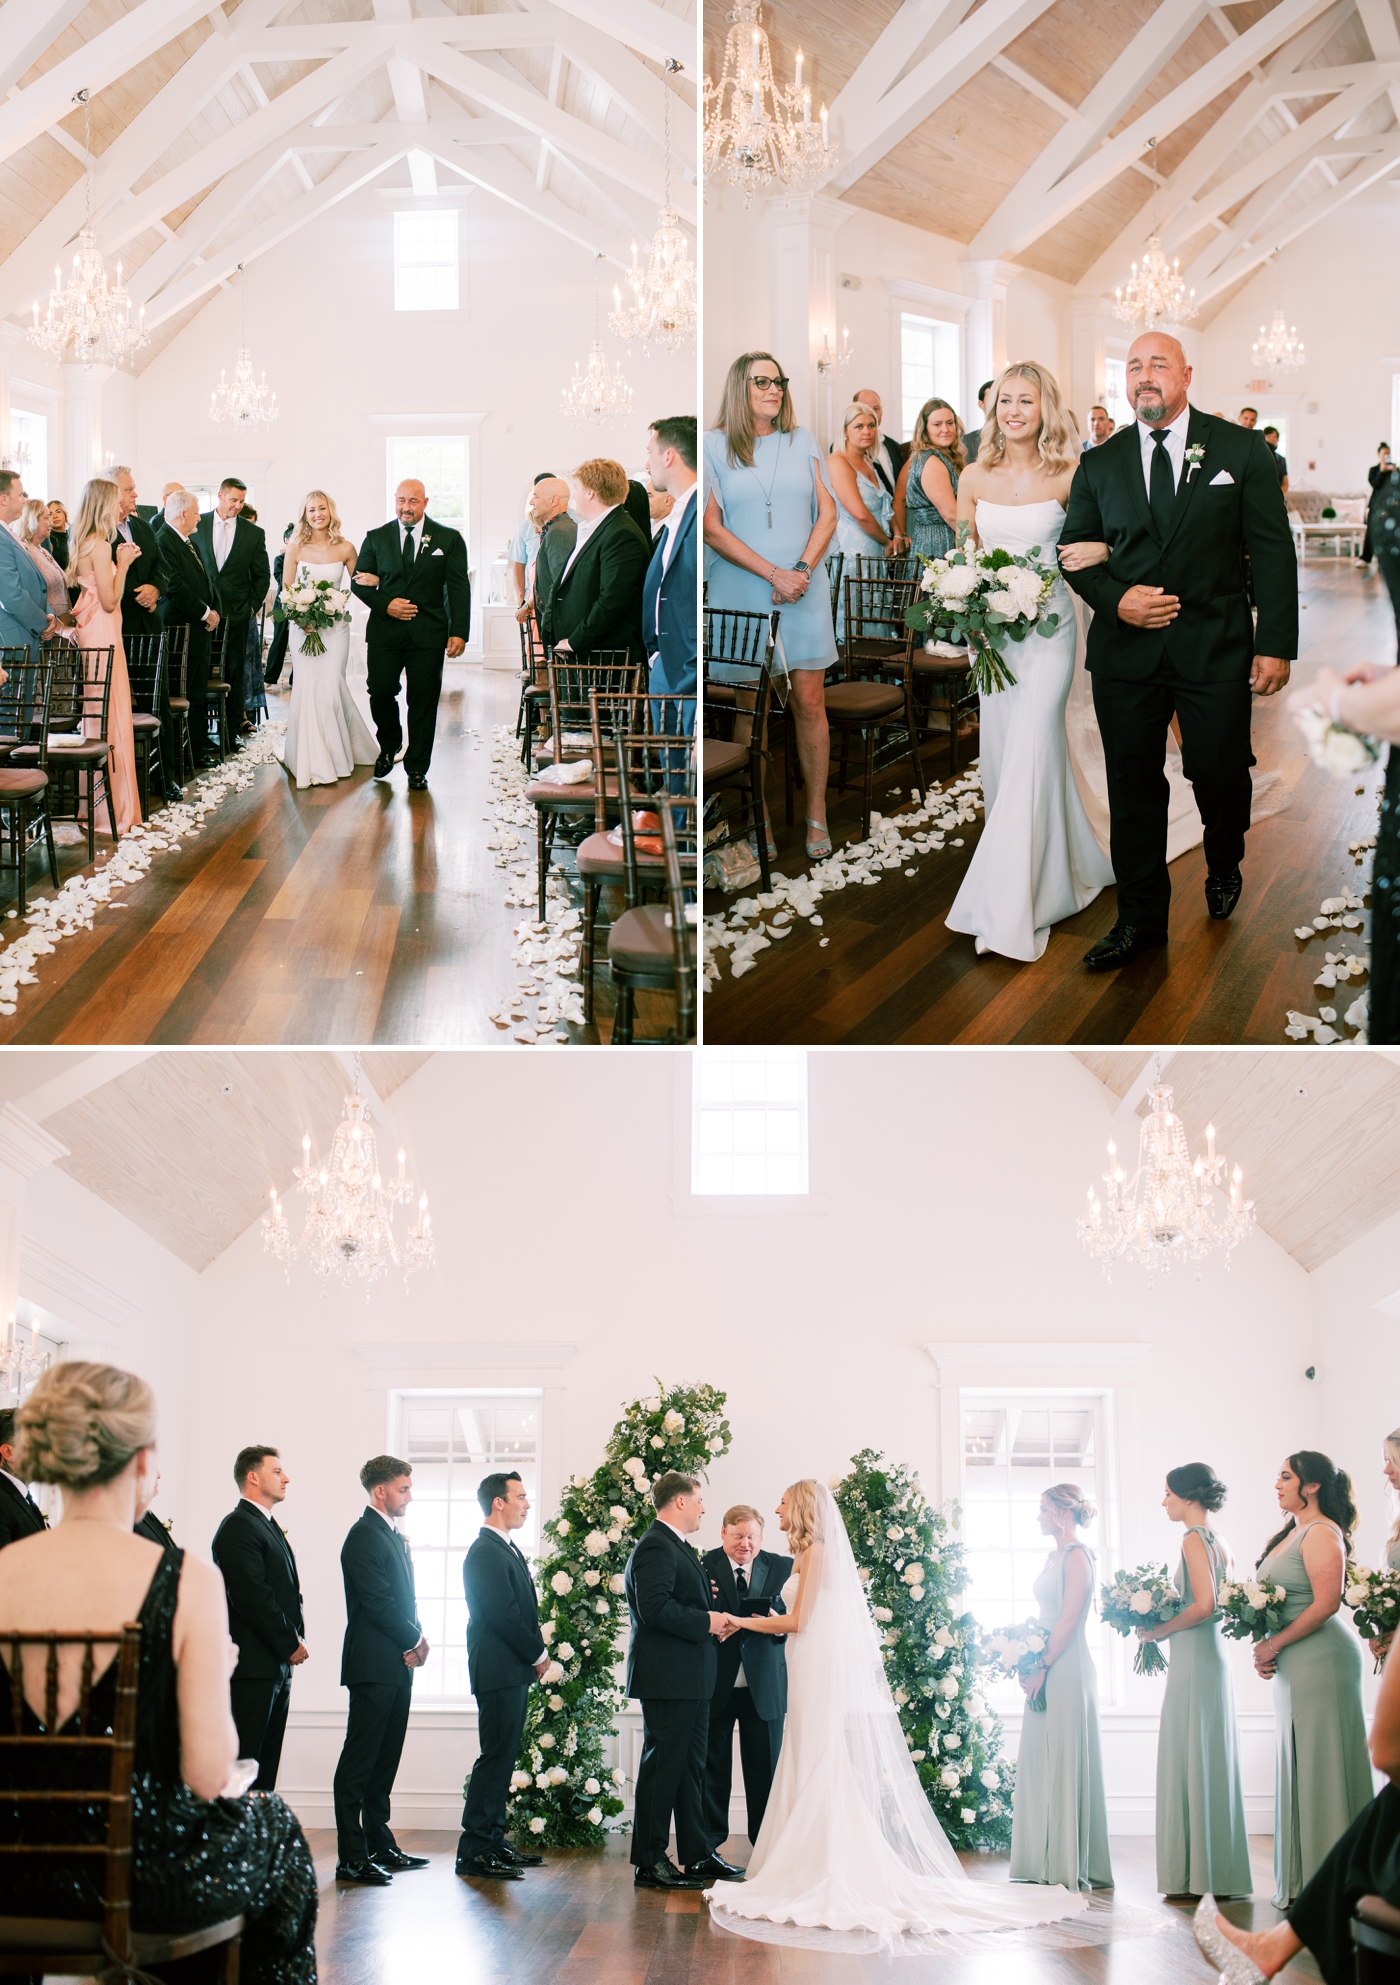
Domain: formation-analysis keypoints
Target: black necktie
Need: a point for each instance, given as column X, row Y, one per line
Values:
column 1162, row 483
column 741, row 1584
column 408, row 551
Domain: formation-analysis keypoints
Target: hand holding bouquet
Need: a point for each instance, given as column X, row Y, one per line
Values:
column 1374, row 1599
column 313, row 605
column 1132, row 1600
column 1252, row 1608
column 1017, row 1651
column 979, row 600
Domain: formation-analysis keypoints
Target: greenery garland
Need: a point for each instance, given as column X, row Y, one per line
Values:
column 913, row 1568
column 562, row 1792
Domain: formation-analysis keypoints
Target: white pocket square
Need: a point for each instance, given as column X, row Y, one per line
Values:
column 438, row 554
column 1224, row 476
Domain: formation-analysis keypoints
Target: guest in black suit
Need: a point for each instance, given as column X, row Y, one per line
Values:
column 150, row 1526
column 888, row 456
column 188, row 601
column 670, row 599
column 264, row 1609
column 20, row 1515
column 597, row 603
column 505, row 1653
column 671, row 1669
column 418, row 590
column 141, row 605
column 751, row 1673
column 1181, row 499
column 236, row 564
column 384, row 1643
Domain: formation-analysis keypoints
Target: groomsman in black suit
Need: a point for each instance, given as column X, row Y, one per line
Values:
column 141, row 603
column 671, row 1669
column 236, row 564
column 188, row 601
column 149, row 1525
column 20, row 1515
column 384, row 1643
column 264, row 1609
column 751, row 1677
column 505, row 1654
column 597, row 603
column 414, row 579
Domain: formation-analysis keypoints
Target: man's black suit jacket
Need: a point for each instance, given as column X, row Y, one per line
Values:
column 671, row 1655
column 240, row 589
column 147, row 570
column 1200, row 557
column 18, row 1515
column 557, row 541
column 381, row 1607
column 264, row 1594
column 597, row 604
column 154, row 1531
column 503, row 1616
column 187, row 594
column 439, row 586
column 763, row 1654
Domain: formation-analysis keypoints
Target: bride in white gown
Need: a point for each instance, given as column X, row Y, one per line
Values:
column 850, row 1855
column 326, row 735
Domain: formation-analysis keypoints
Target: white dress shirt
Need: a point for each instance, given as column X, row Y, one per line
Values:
column 124, row 529
column 391, row 1521
column 586, row 528
column 1175, row 444
column 23, row 1487
column 671, row 524
column 224, row 528
column 741, row 1680
column 257, row 1506
column 414, row 531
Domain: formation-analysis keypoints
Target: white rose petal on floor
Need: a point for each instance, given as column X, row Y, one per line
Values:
column 549, row 995
column 1340, row 969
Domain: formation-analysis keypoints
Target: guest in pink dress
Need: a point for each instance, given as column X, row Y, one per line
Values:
column 100, row 575
column 32, row 530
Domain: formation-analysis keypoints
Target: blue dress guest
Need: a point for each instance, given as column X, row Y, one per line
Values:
column 864, row 507
column 769, row 517
column 670, row 617
column 24, row 604
column 926, row 496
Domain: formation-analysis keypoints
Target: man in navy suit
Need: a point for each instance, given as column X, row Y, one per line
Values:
column 751, row 1678
column 264, row 1609
column 20, row 1515
column 670, row 617
column 25, row 619
column 505, row 1654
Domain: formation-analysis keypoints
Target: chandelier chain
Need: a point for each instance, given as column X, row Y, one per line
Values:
column 243, row 404
column 665, row 310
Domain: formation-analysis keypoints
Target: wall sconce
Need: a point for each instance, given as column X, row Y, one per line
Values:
column 827, row 358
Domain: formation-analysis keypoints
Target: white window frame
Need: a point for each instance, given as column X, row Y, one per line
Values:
column 705, row 1061
column 1115, row 390
column 409, row 266
column 395, row 473
column 947, row 370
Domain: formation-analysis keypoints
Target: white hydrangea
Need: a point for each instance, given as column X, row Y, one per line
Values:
column 561, row 1583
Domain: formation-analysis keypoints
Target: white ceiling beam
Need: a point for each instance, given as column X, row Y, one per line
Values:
column 1247, row 259
column 556, row 63
column 103, row 60
column 502, row 174
column 914, row 32
column 28, row 29
column 316, row 41
column 1255, row 224
column 456, row 130
column 640, row 25
column 870, row 115
column 74, row 1083
column 1378, row 19
column 219, row 208
column 1036, row 88
column 1039, row 202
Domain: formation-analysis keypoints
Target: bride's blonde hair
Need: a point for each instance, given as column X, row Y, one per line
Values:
column 803, row 1528
column 1058, row 448
column 302, row 534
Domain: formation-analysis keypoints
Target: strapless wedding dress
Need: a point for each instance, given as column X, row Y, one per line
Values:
column 326, row 735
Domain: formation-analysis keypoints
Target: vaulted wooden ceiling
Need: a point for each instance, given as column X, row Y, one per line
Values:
column 1022, row 128
column 220, row 127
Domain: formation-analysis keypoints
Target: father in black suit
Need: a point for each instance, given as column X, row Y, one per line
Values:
column 505, row 1654
column 187, row 600
column 751, row 1678
column 384, row 1643
column 414, row 579
column 20, row 1515
column 141, row 608
column 597, row 603
column 671, row 1669
column 264, row 1609
column 1182, row 499
column 235, row 559
column 151, row 1527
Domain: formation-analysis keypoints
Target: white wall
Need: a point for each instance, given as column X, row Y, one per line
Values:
column 1357, row 1300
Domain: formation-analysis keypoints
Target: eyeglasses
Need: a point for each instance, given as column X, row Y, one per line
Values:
column 766, row 385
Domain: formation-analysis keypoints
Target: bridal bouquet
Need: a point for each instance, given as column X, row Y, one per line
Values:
column 1374, row 1599
column 979, row 600
column 1252, row 1608
column 1017, row 1651
column 313, row 605
column 1331, row 746
column 1141, row 1598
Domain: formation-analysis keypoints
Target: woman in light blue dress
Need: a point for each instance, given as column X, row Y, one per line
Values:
column 1202, row 1847
column 769, row 516
column 864, row 507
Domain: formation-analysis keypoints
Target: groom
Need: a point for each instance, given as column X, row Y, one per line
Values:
column 415, row 581
column 1190, row 507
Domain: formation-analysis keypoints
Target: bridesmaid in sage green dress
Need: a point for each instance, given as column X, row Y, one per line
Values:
column 1202, row 1847
column 1059, row 1823
column 1322, row 1776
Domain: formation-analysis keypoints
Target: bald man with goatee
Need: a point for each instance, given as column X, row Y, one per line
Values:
column 1191, row 510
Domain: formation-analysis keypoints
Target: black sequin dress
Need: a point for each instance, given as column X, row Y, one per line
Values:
column 196, row 1861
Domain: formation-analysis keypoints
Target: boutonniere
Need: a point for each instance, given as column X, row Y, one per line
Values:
column 426, row 540
column 1195, row 455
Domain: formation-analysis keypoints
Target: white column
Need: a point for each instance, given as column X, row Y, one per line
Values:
column 25, row 1148
column 1089, row 320
column 802, row 277
column 987, row 355
column 82, row 427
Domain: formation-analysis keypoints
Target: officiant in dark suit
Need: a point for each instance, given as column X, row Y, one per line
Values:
column 1182, row 499
column 505, row 1654
column 597, row 603
column 20, row 1515
column 751, row 1673
column 671, row 1670
column 384, row 1643
column 141, row 605
column 414, row 579
column 235, row 559
column 188, row 601
column 264, row 1609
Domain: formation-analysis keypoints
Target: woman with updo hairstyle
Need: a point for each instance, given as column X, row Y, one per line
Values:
column 1059, row 1822
column 1202, row 1846
column 203, row 1849
column 1322, row 1772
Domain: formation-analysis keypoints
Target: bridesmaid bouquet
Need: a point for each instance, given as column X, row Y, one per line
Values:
column 1251, row 1609
column 1141, row 1598
column 1338, row 751
column 1374, row 1599
column 313, row 605
column 978, row 600
column 1016, row 1651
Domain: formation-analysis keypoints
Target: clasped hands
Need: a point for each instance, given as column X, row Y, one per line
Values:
column 414, row 1657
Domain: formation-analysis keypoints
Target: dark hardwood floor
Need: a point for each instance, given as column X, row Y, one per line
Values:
column 579, row 1921
column 894, row 974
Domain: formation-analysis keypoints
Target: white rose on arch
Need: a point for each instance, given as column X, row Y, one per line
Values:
column 592, row 1787
column 950, row 1778
column 546, row 1742
column 553, row 1673
column 519, row 1780
column 674, row 1422
column 561, row 1583
column 595, row 1816
column 591, row 1577
column 537, row 1826
column 617, row 1583
column 566, row 1653
column 633, row 1467
column 595, row 1543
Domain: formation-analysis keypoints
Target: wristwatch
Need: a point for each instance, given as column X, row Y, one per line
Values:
column 801, row 565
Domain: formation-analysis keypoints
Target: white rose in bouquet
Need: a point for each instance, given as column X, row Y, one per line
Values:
column 958, row 582
column 674, row 1422
column 1141, row 1602
column 1002, row 602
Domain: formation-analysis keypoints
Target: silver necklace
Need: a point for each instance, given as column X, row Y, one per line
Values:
column 767, row 493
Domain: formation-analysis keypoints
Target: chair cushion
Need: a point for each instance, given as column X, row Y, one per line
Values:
column 601, row 855
column 1376, row 1910
column 51, row 1933
column 567, row 799
column 721, row 760
column 640, row 940
column 142, row 720
column 16, row 785
column 938, row 664
column 87, row 751
column 721, row 692
column 180, row 703
column 863, row 702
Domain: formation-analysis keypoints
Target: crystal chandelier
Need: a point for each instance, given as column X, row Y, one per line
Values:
column 766, row 136
column 19, row 1364
column 596, row 393
column 1166, row 1211
column 244, row 405
column 1154, row 293
column 86, row 322
column 665, row 290
column 349, row 1228
column 829, row 359
column 16, row 456
column 1279, row 348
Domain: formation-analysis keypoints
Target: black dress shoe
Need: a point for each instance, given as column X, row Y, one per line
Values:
column 171, row 793
column 365, row 1873
column 488, row 1867
column 505, row 1852
column 396, row 1861
column 665, row 1875
column 383, row 765
column 418, row 782
column 1123, row 942
column 1223, row 888
column 716, row 1869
